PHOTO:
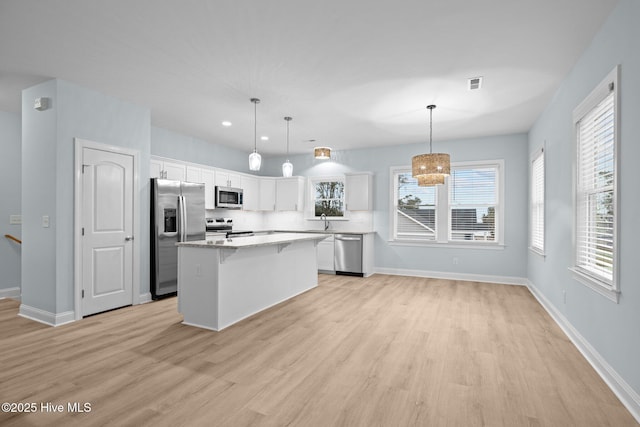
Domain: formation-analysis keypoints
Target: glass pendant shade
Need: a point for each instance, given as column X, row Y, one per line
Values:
column 255, row 160
column 287, row 169
column 322, row 153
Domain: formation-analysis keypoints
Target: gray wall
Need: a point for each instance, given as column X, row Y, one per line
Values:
column 511, row 262
column 165, row 143
column 10, row 178
column 612, row 329
column 48, row 182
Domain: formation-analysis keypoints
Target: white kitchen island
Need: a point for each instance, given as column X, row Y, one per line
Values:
column 221, row 282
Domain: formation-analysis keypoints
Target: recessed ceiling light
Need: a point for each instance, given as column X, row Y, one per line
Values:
column 226, row 123
column 264, row 138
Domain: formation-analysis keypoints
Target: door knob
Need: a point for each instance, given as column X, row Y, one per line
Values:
column 128, row 238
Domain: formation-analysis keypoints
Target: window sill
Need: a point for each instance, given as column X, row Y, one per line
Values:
column 537, row 251
column 596, row 285
column 448, row 245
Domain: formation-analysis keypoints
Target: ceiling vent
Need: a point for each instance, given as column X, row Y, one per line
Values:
column 475, row 83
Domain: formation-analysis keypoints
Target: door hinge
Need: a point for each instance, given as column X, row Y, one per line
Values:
column 84, row 166
column 83, row 293
column 83, row 231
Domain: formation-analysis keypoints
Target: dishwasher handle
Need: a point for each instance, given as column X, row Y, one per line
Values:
column 348, row 238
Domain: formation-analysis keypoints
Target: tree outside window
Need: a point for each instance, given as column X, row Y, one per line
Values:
column 329, row 198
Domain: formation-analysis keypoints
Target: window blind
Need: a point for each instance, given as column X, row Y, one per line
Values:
column 473, row 202
column 537, row 203
column 415, row 209
column 595, row 191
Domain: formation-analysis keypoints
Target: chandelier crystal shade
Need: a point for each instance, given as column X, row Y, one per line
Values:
column 287, row 167
column 255, row 159
column 430, row 169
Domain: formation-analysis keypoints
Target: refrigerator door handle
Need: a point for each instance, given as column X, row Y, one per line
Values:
column 182, row 223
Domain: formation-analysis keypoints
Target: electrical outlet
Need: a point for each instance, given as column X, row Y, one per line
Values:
column 45, row 221
column 455, row 260
column 198, row 270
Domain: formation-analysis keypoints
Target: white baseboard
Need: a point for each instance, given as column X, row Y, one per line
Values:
column 503, row 280
column 46, row 317
column 627, row 395
column 144, row 298
column 10, row 293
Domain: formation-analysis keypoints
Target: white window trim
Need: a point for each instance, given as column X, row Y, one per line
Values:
column 442, row 206
column 609, row 290
column 312, row 200
column 539, row 152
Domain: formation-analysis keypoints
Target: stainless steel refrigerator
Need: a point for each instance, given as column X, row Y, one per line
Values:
column 177, row 215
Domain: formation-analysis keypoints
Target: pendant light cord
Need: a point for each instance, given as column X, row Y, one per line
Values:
column 288, row 119
column 255, row 123
column 430, row 130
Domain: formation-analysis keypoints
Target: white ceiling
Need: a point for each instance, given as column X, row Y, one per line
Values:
column 352, row 74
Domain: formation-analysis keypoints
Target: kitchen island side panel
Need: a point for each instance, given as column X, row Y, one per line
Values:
column 219, row 287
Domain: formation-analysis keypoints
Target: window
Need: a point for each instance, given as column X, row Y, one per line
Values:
column 415, row 210
column 536, row 215
column 465, row 209
column 595, row 188
column 328, row 197
column 473, row 199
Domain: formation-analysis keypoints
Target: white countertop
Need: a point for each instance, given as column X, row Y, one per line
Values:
column 323, row 231
column 253, row 241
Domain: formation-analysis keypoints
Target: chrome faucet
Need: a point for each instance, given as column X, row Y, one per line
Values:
column 326, row 223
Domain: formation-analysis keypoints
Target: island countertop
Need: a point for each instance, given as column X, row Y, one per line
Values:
column 253, row 241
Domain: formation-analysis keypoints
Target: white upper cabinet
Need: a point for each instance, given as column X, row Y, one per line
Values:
column 251, row 193
column 359, row 191
column 167, row 170
column 290, row 194
column 208, row 177
column 228, row 179
column 194, row 174
column 267, row 200
column 155, row 169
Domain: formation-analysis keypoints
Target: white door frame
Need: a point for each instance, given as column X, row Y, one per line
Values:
column 80, row 144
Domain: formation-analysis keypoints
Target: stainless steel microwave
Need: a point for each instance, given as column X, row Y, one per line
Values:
column 228, row 197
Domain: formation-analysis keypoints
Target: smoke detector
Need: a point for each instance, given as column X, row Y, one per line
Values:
column 475, row 83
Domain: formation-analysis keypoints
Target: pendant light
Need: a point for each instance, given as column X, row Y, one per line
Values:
column 287, row 167
column 254, row 158
column 430, row 169
column 322, row 153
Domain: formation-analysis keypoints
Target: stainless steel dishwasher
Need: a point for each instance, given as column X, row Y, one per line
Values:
column 348, row 254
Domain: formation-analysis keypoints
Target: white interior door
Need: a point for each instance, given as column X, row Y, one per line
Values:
column 107, row 230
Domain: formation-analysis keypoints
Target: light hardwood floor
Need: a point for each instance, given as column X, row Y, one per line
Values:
column 381, row 351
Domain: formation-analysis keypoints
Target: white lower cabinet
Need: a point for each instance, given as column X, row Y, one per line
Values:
column 326, row 254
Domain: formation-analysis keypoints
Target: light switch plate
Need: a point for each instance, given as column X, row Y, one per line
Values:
column 15, row 219
column 45, row 221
